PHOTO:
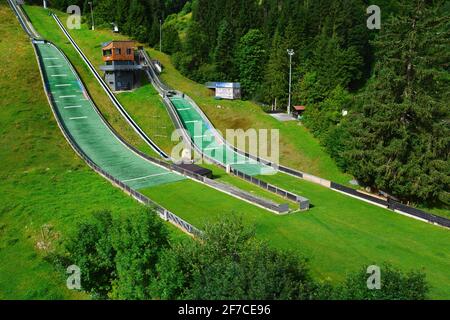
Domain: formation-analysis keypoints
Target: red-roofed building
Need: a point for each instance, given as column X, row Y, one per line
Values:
column 298, row 111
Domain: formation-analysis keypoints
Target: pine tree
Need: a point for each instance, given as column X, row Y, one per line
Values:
column 171, row 40
column 251, row 57
column 223, row 54
column 137, row 21
column 207, row 14
column 401, row 132
column 276, row 77
column 196, row 48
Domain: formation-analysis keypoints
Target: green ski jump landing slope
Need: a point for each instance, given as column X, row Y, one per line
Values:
column 203, row 136
column 88, row 130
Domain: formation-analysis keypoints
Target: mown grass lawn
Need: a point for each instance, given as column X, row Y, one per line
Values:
column 339, row 233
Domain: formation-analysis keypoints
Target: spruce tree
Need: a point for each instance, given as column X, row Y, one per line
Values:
column 223, row 54
column 276, row 76
column 171, row 40
column 251, row 57
column 401, row 131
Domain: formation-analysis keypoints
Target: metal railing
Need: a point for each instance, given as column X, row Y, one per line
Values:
column 431, row 218
column 163, row 90
column 302, row 201
column 163, row 213
column 109, row 92
column 23, row 20
column 388, row 204
column 393, row 205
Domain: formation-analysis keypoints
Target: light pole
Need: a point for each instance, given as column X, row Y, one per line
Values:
column 45, row 4
column 115, row 27
column 160, row 35
column 291, row 54
column 92, row 15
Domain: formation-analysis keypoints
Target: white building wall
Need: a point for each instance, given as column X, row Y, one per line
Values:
column 228, row 93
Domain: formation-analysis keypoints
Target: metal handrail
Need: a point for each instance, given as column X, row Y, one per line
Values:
column 110, row 94
column 163, row 213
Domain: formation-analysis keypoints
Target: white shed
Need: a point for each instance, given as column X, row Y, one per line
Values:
column 226, row 90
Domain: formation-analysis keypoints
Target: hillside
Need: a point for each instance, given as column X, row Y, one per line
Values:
column 45, row 188
column 339, row 234
column 374, row 97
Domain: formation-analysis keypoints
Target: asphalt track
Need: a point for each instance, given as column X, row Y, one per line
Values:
column 212, row 146
column 88, row 130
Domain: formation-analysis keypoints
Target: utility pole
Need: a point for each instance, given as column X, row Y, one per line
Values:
column 291, row 54
column 92, row 15
column 160, row 35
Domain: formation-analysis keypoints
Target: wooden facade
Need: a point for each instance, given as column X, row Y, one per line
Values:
column 118, row 51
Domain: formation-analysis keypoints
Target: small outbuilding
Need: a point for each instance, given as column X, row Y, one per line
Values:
column 195, row 169
column 298, row 111
column 225, row 90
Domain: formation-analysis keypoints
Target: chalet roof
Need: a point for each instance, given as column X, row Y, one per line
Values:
column 114, row 43
column 215, row 85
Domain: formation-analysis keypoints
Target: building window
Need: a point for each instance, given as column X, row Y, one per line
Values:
column 118, row 51
column 107, row 52
column 129, row 51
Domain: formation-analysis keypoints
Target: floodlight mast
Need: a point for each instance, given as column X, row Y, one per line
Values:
column 291, row 54
column 92, row 15
column 160, row 35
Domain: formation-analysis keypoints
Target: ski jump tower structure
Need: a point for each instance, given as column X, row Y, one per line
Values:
column 122, row 71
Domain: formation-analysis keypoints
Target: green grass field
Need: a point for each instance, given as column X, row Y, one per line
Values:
column 340, row 234
column 337, row 238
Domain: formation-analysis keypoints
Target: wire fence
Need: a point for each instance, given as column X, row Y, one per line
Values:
column 394, row 205
column 302, row 201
